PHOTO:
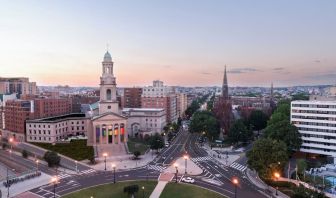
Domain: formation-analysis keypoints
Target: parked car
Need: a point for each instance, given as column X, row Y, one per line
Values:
column 188, row 180
column 167, row 145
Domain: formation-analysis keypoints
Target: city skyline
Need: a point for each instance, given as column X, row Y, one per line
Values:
column 181, row 43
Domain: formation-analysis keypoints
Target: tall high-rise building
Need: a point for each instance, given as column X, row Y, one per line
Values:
column 316, row 122
column 160, row 96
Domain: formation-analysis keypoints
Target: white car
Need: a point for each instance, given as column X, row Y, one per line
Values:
column 167, row 145
column 188, row 180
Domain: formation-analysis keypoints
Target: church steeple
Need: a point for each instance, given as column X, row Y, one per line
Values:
column 108, row 90
column 225, row 87
column 271, row 94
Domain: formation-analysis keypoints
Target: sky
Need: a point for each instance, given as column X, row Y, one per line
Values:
column 187, row 43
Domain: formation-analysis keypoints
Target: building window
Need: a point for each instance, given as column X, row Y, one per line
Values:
column 108, row 94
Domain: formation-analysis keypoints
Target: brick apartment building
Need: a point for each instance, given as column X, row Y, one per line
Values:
column 132, row 98
column 16, row 112
column 160, row 96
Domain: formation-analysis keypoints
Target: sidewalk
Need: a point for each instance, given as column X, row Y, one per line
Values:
column 158, row 189
column 265, row 189
column 124, row 162
column 224, row 159
column 192, row 168
column 24, row 186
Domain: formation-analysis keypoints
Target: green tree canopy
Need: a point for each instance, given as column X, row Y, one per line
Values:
column 204, row 121
column 267, row 156
column 277, row 117
column 285, row 131
column 258, row 120
column 239, row 132
column 302, row 192
column 283, row 107
column 156, row 142
column 52, row 158
column 131, row 190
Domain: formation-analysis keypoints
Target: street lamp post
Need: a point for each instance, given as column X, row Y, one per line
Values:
column 276, row 175
column 185, row 158
column 114, row 174
column 143, row 192
column 176, row 166
column 11, row 147
column 235, row 183
column 105, row 155
column 37, row 162
column 54, row 181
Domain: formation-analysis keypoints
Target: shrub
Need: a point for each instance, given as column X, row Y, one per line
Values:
column 136, row 154
column 24, row 154
column 52, row 158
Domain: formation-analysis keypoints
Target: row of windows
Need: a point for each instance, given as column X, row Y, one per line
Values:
column 313, row 118
column 316, row 130
column 315, row 106
column 60, row 124
column 321, row 143
column 314, row 124
column 314, row 112
column 59, row 130
column 319, row 136
column 319, row 149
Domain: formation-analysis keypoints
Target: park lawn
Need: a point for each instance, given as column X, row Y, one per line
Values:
column 76, row 149
column 173, row 190
column 114, row 190
column 136, row 145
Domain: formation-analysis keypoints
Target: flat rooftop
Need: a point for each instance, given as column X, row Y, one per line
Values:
column 59, row 118
column 143, row 109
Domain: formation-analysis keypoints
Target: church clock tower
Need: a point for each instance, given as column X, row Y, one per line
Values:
column 108, row 90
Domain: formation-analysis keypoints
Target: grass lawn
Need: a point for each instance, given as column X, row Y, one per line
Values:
column 136, row 145
column 114, row 190
column 173, row 190
column 76, row 149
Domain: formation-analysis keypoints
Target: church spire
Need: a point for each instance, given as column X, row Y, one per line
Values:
column 225, row 87
column 271, row 91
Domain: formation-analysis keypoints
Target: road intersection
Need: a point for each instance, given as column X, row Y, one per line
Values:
column 215, row 176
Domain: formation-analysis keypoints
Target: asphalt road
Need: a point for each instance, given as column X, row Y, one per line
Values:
column 215, row 176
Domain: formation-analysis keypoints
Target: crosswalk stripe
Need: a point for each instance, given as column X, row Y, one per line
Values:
column 238, row 166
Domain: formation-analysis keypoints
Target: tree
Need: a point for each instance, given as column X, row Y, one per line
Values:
column 136, row 154
column 300, row 96
column 285, row 131
column 277, row 117
column 204, row 121
column 156, row 142
column 302, row 192
column 239, row 132
column 284, row 108
column 52, row 158
column 24, row 154
column 258, row 120
column 194, row 106
column 131, row 190
column 301, row 167
column 267, row 156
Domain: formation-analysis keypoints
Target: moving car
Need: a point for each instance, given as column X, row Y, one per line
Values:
column 167, row 145
column 188, row 180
